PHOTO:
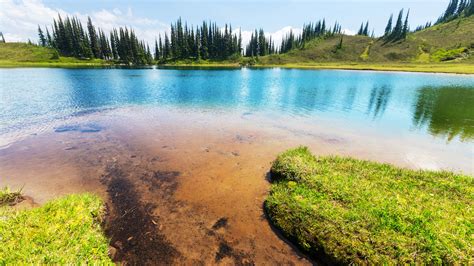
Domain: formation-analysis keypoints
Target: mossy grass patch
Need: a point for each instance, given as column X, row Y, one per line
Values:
column 362, row 212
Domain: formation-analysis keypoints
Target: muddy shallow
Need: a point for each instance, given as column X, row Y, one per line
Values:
column 188, row 186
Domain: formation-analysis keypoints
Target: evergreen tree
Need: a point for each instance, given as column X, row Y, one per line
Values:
column 157, row 51
column 2, row 39
column 405, row 26
column 94, row 40
column 398, row 31
column 49, row 40
column 167, row 50
column 361, row 29
column 366, row 29
column 42, row 39
column 160, row 43
column 388, row 28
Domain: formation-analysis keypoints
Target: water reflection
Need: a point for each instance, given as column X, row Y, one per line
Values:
column 447, row 111
column 439, row 105
column 379, row 98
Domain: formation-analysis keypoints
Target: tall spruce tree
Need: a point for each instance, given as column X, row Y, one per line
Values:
column 397, row 32
column 405, row 26
column 94, row 40
column 366, row 29
column 388, row 28
column 42, row 38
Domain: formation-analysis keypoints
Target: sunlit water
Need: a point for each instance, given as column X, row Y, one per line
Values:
column 429, row 105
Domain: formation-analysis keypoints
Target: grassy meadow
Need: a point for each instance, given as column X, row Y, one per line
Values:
column 353, row 211
column 63, row 231
column 28, row 55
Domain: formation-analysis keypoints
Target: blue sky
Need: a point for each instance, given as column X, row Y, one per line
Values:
column 150, row 18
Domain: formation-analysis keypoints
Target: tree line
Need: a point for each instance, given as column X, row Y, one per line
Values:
column 208, row 41
column 259, row 45
column 399, row 31
column 456, row 9
column 310, row 32
column 205, row 42
column 69, row 38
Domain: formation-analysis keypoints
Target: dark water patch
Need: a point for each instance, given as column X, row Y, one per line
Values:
column 227, row 251
column 221, row 223
column 85, row 128
column 133, row 230
column 89, row 111
column 164, row 181
column 244, row 138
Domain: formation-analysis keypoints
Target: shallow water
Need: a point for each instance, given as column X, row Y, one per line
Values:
column 192, row 148
column 430, row 105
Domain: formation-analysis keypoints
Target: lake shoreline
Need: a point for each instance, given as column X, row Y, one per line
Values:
column 458, row 68
column 160, row 161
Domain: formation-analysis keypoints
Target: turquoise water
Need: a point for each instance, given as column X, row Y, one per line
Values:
column 424, row 104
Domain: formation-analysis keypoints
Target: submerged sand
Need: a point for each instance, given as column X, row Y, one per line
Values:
column 184, row 185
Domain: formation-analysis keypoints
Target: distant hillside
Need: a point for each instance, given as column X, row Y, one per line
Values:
column 452, row 41
column 23, row 52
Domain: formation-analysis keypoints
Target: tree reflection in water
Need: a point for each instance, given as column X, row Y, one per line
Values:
column 446, row 111
column 378, row 101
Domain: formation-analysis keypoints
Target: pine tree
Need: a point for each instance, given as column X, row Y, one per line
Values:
column 366, row 29
column 397, row 32
column 42, row 39
column 93, row 38
column 469, row 10
column 157, row 51
column 2, row 39
column 361, row 29
column 405, row 26
column 49, row 40
column 388, row 28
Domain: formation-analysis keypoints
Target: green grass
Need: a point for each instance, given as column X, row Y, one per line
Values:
column 28, row 55
column 9, row 197
column 457, row 68
column 63, row 231
column 446, row 55
column 362, row 212
column 450, row 42
column 444, row 48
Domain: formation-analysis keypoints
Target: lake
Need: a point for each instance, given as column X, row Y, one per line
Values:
column 194, row 147
column 432, row 105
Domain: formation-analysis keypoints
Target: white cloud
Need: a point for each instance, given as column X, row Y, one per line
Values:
column 19, row 20
column 348, row 32
column 277, row 36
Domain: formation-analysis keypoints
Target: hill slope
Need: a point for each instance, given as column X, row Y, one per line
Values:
column 23, row 54
column 452, row 41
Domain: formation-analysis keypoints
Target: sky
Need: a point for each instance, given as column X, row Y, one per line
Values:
column 19, row 19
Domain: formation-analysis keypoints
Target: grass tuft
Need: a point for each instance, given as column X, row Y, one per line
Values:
column 8, row 197
column 63, row 231
column 363, row 212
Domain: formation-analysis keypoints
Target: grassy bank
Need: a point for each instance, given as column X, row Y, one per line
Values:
column 63, row 231
column 28, row 55
column 8, row 196
column 352, row 211
column 454, row 68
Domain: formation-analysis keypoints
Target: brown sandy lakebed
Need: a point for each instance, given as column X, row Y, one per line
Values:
column 185, row 186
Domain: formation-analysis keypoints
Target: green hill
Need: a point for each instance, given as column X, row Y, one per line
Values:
column 447, row 42
column 23, row 54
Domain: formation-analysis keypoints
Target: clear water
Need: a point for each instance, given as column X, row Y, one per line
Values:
column 424, row 104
